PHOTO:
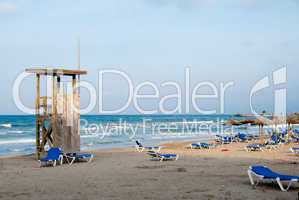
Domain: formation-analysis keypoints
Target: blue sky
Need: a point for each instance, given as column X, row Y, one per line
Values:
column 221, row 41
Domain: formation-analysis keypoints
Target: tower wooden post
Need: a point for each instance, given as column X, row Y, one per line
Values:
column 37, row 119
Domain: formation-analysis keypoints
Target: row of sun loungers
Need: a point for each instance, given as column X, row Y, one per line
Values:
column 258, row 173
column 272, row 143
column 261, row 147
column 55, row 156
column 261, row 173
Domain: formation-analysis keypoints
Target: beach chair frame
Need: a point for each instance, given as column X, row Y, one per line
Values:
column 261, row 178
column 200, row 145
column 251, row 147
column 140, row 148
column 52, row 161
column 79, row 157
column 163, row 157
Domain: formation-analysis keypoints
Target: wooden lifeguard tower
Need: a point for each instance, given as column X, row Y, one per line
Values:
column 57, row 112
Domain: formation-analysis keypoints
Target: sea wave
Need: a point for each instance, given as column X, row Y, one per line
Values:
column 15, row 131
column 18, row 141
column 6, row 125
column 91, row 136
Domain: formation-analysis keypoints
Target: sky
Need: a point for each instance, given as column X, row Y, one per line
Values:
column 154, row 40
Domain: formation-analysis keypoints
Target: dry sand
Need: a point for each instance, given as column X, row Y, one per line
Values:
column 127, row 174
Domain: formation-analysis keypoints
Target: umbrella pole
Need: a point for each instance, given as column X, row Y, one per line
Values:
column 289, row 131
column 262, row 134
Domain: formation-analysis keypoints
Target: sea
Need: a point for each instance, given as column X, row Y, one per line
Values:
column 17, row 132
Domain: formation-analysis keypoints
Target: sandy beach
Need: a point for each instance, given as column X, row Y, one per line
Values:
column 220, row 173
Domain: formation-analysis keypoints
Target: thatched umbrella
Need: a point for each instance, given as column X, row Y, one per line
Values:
column 292, row 119
column 248, row 121
column 260, row 122
column 232, row 122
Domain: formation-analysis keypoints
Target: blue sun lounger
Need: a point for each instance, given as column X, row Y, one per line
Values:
column 79, row 157
column 162, row 157
column 294, row 150
column 254, row 147
column 296, row 131
column 227, row 139
column 241, row 137
column 53, row 155
column 264, row 173
column 200, row 145
column 223, row 139
column 141, row 148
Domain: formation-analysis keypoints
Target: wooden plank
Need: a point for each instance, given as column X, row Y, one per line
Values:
column 60, row 97
column 42, row 123
column 69, row 124
column 37, row 120
column 76, row 127
column 56, row 71
column 76, row 117
column 71, row 135
column 54, row 112
column 57, row 119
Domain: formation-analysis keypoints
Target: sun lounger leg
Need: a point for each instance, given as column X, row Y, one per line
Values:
column 250, row 177
column 289, row 185
column 159, row 149
column 141, row 149
column 54, row 163
column 73, row 160
column 137, row 148
column 61, row 159
column 280, row 185
column 91, row 157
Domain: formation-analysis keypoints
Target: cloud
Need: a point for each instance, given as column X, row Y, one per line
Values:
column 7, row 8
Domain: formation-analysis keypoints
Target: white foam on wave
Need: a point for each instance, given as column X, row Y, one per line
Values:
column 6, row 125
column 18, row 141
column 16, row 131
column 198, row 122
column 90, row 136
